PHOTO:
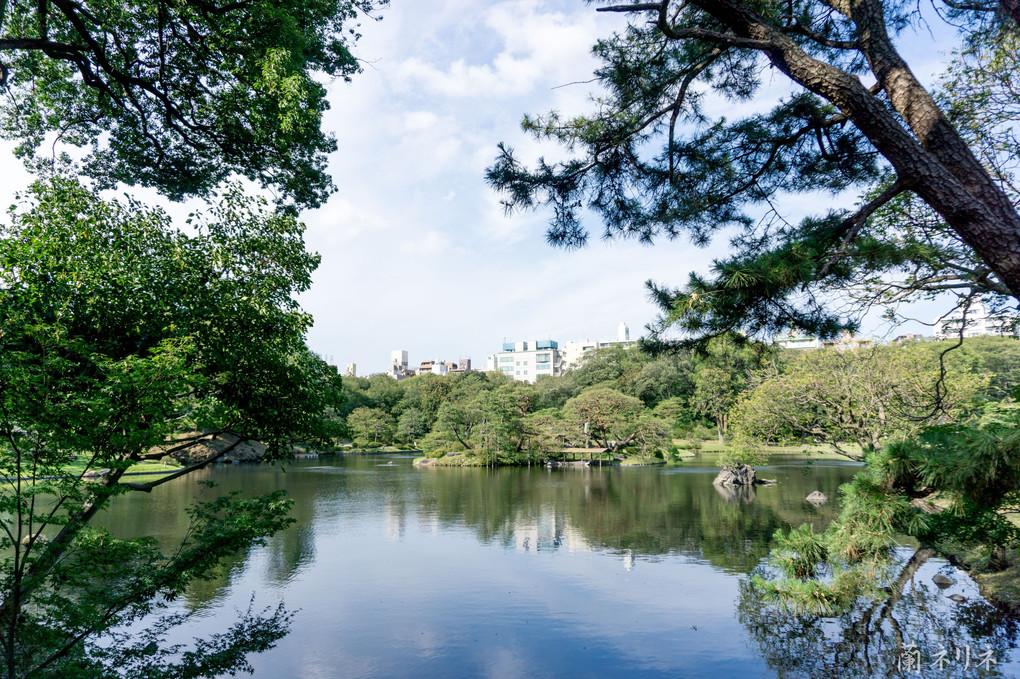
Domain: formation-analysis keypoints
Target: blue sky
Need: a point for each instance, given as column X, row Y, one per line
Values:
column 416, row 251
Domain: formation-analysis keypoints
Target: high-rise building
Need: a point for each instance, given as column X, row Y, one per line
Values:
column 352, row 370
column 398, row 369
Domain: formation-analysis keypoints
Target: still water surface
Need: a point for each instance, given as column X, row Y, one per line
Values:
column 395, row 571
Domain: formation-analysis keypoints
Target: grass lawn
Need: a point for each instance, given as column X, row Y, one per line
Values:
column 812, row 451
column 148, row 468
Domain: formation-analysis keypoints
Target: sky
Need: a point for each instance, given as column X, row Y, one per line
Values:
column 417, row 253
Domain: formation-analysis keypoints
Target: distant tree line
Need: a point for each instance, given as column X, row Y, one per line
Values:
column 631, row 402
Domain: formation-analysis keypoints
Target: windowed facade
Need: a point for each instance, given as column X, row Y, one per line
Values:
column 526, row 361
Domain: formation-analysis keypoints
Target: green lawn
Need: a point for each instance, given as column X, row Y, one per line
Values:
column 148, row 468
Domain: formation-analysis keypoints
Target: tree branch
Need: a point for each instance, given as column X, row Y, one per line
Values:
column 147, row 487
column 637, row 7
column 855, row 223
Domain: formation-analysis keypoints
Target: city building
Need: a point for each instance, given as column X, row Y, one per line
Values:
column 797, row 341
column 398, row 368
column 573, row 352
column 435, row 368
column 846, row 341
column 910, row 337
column 978, row 323
column 352, row 370
column 527, row 361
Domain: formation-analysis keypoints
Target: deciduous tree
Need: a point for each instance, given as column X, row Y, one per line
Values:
column 123, row 339
column 179, row 95
column 863, row 397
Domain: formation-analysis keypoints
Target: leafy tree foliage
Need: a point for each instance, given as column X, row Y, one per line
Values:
column 411, row 425
column 651, row 164
column 853, row 400
column 180, row 95
column 865, row 397
column 969, row 467
column 371, row 425
column 122, row 339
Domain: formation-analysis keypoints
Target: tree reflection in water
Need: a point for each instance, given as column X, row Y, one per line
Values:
column 914, row 622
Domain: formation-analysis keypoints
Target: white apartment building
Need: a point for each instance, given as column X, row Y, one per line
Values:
column 527, row 361
column 978, row 323
column 795, row 341
column 574, row 351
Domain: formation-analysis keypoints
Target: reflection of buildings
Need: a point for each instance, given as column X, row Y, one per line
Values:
column 978, row 323
column 549, row 532
column 395, row 519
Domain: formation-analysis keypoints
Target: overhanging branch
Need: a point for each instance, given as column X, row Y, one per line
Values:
column 147, row 487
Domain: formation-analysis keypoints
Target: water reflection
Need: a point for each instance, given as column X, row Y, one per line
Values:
column 606, row 572
column 918, row 630
column 736, row 494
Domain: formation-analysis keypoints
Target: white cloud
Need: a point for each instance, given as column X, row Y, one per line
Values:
column 538, row 47
column 419, row 120
column 431, row 243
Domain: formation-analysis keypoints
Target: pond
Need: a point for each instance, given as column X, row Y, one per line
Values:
column 396, row 571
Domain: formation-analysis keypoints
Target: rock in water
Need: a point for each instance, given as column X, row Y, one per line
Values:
column 942, row 581
column 736, row 475
column 958, row 598
column 817, row 498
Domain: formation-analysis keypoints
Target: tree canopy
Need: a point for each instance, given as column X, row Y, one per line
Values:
column 123, row 340
column 179, row 95
column 933, row 167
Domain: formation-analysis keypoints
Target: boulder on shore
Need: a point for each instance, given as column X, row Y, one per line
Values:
column 248, row 451
column 737, row 475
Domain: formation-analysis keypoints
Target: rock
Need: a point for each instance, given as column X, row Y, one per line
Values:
column 925, row 506
column 249, row 451
column 817, row 498
column 736, row 475
column 942, row 581
column 958, row 598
